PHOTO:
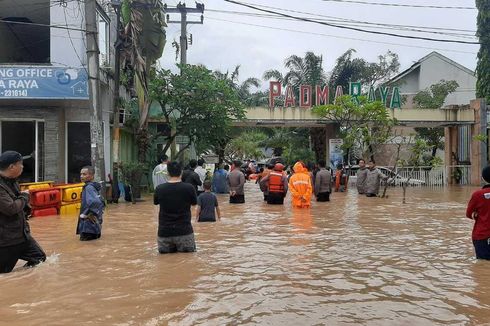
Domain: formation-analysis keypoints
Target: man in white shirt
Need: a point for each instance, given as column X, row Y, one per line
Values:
column 201, row 172
column 160, row 174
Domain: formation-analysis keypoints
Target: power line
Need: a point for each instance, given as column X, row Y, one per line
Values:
column 340, row 37
column 345, row 22
column 351, row 28
column 42, row 25
column 399, row 5
column 359, row 21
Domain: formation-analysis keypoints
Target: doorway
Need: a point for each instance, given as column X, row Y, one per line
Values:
column 78, row 149
column 27, row 138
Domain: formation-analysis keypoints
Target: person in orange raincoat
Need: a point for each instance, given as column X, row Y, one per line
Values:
column 300, row 186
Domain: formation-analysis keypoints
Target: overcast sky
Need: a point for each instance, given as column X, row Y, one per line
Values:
column 226, row 40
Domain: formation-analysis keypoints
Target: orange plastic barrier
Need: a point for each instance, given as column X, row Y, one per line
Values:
column 39, row 212
column 45, row 197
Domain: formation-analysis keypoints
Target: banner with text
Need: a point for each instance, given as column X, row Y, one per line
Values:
column 335, row 152
column 43, row 83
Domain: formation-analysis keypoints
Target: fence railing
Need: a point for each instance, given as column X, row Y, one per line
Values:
column 427, row 175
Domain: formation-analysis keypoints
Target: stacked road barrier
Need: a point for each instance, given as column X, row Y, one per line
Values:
column 36, row 185
column 71, row 197
column 48, row 199
column 44, row 201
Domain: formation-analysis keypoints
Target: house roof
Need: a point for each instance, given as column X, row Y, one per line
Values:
column 430, row 55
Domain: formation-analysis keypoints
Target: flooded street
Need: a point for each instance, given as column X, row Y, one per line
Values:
column 352, row 261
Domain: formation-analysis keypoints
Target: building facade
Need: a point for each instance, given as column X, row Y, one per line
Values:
column 43, row 85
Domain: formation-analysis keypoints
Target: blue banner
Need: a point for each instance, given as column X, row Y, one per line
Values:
column 43, row 83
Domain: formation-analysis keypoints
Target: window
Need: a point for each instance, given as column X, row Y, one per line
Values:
column 103, row 33
column 22, row 42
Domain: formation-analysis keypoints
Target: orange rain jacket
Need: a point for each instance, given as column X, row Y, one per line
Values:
column 300, row 186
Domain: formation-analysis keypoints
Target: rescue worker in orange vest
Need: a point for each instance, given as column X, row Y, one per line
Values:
column 276, row 183
column 341, row 179
column 300, row 186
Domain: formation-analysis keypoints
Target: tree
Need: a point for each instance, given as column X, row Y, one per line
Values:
column 363, row 124
column 433, row 98
column 348, row 69
column 245, row 146
column 483, row 66
column 197, row 103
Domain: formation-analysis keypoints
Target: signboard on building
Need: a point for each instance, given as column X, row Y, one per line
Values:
column 336, row 153
column 43, row 83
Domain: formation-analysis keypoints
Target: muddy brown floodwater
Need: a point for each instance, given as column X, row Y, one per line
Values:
column 352, row 261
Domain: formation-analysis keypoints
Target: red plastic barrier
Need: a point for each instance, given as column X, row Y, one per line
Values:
column 45, row 197
column 44, row 212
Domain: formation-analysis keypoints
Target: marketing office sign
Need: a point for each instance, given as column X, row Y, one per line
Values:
column 43, row 83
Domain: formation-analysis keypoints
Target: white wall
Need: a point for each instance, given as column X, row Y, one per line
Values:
column 434, row 69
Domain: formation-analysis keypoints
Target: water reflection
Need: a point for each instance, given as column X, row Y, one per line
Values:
column 352, row 261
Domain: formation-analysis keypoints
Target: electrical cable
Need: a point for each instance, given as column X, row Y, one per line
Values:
column 347, row 23
column 341, row 37
column 351, row 28
column 399, row 5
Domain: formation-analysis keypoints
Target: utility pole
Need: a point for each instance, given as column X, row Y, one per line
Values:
column 183, row 10
column 116, row 131
column 96, row 130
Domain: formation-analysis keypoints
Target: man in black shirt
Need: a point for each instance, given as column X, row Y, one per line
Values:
column 175, row 233
column 190, row 176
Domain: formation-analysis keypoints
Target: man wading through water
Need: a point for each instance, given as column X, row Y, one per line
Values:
column 236, row 182
column 175, row 233
column 16, row 241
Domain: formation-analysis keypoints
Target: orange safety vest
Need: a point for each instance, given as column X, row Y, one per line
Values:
column 275, row 182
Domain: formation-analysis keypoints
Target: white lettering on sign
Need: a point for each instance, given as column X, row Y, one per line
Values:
column 15, row 84
column 2, row 84
column 33, row 72
column 6, row 72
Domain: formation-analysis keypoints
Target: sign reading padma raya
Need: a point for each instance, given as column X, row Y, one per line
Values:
column 321, row 94
column 43, row 83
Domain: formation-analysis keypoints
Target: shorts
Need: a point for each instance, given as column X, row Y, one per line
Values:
column 323, row 196
column 237, row 199
column 275, row 199
column 181, row 243
column 482, row 248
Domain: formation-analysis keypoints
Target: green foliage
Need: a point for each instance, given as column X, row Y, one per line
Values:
column 200, row 105
column 435, row 95
column 483, row 66
column 363, row 124
column 348, row 69
column 131, row 172
column 481, row 138
column 295, row 154
column 247, row 145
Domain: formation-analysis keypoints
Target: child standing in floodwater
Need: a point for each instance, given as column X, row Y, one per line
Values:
column 207, row 203
column 479, row 210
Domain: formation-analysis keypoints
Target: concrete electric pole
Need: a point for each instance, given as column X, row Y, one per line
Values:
column 183, row 10
column 96, row 129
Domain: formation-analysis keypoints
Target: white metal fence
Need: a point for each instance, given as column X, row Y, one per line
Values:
column 427, row 175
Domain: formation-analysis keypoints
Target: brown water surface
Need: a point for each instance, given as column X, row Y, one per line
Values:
column 352, row 261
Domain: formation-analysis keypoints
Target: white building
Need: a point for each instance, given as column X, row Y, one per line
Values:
column 431, row 69
column 43, row 85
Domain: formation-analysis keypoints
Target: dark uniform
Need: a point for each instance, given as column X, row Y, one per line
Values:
column 16, row 241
